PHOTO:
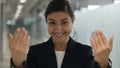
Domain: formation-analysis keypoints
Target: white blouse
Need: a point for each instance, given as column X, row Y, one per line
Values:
column 59, row 57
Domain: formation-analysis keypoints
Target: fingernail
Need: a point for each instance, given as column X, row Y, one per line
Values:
column 29, row 36
column 18, row 29
column 9, row 34
column 112, row 37
column 23, row 28
column 26, row 32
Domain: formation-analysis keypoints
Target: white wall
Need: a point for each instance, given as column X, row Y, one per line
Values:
column 105, row 18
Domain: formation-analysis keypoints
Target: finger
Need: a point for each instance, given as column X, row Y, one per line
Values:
column 25, row 37
column 95, row 39
column 28, row 42
column 93, row 45
column 16, row 35
column 16, row 31
column 107, row 47
column 111, row 43
column 10, row 39
column 91, row 40
column 21, row 37
column 103, row 38
column 100, row 41
column 103, row 47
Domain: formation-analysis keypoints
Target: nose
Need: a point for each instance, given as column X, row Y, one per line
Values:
column 58, row 28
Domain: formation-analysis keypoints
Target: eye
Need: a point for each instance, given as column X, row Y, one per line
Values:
column 51, row 22
column 64, row 22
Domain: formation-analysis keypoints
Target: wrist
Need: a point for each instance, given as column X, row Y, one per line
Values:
column 15, row 64
column 105, row 64
column 19, row 66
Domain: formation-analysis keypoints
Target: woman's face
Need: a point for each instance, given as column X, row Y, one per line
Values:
column 59, row 26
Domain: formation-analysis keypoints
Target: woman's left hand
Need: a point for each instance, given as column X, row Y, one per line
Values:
column 101, row 48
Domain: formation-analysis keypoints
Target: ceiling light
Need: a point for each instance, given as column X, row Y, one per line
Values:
column 117, row 2
column 18, row 11
column 22, row 1
column 19, row 7
column 93, row 7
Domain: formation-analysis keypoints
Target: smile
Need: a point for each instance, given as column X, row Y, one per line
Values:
column 59, row 34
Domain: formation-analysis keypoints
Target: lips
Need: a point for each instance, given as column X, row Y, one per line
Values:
column 59, row 34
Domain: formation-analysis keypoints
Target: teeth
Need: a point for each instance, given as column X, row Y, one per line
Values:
column 60, row 34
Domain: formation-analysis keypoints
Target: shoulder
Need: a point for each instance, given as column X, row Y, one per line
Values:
column 84, row 49
column 79, row 45
column 38, row 47
column 83, row 46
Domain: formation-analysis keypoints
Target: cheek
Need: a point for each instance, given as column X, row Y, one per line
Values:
column 68, row 29
column 50, row 30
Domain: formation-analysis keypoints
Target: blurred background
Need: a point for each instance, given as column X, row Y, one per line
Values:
column 90, row 15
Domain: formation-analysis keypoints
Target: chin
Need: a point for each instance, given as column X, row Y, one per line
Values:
column 60, row 39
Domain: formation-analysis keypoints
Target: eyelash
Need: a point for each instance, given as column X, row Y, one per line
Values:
column 64, row 22
column 52, row 22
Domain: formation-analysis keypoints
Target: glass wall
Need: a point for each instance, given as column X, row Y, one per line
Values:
column 105, row 18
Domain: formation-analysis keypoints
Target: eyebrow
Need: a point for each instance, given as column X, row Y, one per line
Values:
column 61, row 19
column 51, row 19
column 64, row 19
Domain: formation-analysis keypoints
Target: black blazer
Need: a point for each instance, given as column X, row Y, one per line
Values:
column 77, row 55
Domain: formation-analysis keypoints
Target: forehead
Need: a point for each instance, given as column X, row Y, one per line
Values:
column 58, row 15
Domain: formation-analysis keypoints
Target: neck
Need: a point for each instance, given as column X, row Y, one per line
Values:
column 60, row 46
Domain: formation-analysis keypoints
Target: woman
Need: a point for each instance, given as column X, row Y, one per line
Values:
column 60, row 51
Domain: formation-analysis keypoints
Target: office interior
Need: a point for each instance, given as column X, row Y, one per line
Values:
column 90, row 15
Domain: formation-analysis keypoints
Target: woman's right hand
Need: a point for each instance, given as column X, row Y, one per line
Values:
column 18, row 45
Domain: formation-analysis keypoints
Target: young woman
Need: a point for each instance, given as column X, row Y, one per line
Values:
column 60, row 51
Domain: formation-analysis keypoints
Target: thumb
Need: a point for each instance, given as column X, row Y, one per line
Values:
column 111, row 42
column 10, row 38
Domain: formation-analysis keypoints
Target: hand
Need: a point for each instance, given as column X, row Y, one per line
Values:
column 101, row 48
column 18, row 45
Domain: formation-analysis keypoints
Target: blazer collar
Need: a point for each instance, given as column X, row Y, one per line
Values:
column 70, row 54
column 68, row 58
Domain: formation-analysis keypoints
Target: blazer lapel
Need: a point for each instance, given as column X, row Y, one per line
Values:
column 69, row 55
column 68, row 59
column 51, row 57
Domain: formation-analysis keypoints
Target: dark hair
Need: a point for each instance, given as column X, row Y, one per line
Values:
column 59, row 5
